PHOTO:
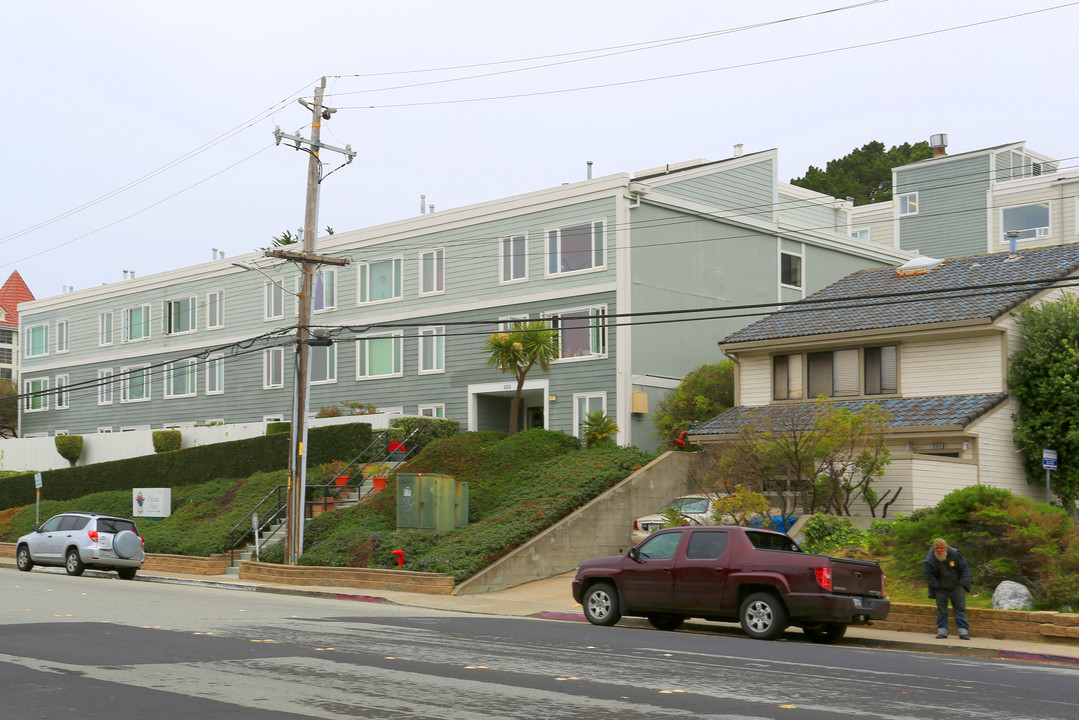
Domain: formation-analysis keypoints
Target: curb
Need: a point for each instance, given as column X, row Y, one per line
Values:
column 566, row 616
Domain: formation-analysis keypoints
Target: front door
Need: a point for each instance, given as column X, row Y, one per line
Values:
column 534, row 417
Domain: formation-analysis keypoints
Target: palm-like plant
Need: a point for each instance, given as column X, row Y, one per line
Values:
column 599, row 428
column 518, row 351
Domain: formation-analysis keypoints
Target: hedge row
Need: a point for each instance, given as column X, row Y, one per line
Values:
column 234, row 459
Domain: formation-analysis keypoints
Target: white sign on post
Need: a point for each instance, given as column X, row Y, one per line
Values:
column 151, row 502
column 1049, row 459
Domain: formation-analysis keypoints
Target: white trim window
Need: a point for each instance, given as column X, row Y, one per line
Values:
column 323, row 364
column 63, row 395
column 104, row 328
column 1029, row 221
column 273, row 368
column 790, row 269
column 36, row 392
column 433, row 272
column 378, row 281
column 180, row 377
column 436, row 410
column 907, row 204
column 584, row 403
column 379, row 356
column 432, row 348
column 576, row 248
column 274, row 306
column 861, row 233
column 513, row 259
column 104, row 387
column 63, row 336
column 135, row 384
column 137, row 323
column 36, row 340
column 215, row 374
column 581, row 332
column 180, row 315
column 215, row 309
column 509, row 323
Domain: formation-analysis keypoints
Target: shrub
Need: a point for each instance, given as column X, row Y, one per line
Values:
column 167, row 440
column 69, row 447
column 825, row 534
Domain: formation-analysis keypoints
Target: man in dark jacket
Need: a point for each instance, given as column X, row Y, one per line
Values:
column 948, row 576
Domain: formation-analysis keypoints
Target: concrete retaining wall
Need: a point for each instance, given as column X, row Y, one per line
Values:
column 598, row 529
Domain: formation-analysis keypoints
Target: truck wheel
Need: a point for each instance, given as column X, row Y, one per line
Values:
column 666, row 621
column 763, row 616
column 825, row 634
column 601, row 605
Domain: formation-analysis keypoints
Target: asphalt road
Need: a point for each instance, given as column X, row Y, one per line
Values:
column 91, row 648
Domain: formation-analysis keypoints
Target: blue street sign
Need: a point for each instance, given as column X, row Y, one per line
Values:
column 1049, row 459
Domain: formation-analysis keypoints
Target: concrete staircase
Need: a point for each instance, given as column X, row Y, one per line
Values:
column 275, row 535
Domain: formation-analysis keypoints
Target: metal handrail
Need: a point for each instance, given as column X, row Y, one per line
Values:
column 239, row 533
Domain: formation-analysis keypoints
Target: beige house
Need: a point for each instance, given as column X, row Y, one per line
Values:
column 928, row 341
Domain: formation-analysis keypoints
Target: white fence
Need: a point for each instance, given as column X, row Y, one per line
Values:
column 39, row 453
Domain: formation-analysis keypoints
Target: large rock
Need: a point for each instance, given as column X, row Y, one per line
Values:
column 1012, row 596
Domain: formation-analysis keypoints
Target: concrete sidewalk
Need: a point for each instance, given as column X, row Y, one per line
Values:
column 551, row 599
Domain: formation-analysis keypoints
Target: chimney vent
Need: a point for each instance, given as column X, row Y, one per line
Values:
column 939, row 144
column 738, row 150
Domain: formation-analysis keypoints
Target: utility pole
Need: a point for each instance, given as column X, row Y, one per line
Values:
column 308, row 262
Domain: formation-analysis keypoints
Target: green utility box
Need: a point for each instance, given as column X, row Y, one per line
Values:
column 431, row 502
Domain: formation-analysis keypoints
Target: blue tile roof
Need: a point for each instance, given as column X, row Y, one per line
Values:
column 885, row 304
column 926, row 412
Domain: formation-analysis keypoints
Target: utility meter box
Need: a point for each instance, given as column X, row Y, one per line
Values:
column 431, row 502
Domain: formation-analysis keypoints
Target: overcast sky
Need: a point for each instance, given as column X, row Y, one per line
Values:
column 101, row 102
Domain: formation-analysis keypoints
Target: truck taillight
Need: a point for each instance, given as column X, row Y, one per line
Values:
column 824, row 577
column 92, row 535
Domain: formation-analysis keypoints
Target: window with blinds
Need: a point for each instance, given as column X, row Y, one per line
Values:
column 881, row 370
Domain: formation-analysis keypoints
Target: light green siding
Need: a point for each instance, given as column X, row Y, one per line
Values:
column 744, row 190
column 951, row 220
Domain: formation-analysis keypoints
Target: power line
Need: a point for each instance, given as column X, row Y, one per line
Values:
column 656, row 317
column 605, row 52
column 693, row 73
column 645, row 45
column 154, row 173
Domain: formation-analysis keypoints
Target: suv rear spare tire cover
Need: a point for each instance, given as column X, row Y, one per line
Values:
column 126, row 544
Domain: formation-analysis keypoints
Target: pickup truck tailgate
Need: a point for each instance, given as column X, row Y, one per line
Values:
column 857, row 577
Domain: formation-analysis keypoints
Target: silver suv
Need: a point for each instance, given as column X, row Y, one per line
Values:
column 78, row 540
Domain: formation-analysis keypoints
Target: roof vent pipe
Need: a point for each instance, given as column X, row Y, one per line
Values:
column 423, row 204
column 738, row 150
column 939, row 144
column 432, row 206
column 1013, row 235
column 589, row 169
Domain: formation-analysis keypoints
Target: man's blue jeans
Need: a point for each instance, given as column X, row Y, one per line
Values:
column 958, row 596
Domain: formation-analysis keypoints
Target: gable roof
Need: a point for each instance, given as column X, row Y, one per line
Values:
column 920, row 298
column 12, row 293
column 956, row 411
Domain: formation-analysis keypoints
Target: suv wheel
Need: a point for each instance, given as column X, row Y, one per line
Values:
column 601, row 605
column 73, row 563
column 23, row 559
column 126, row 573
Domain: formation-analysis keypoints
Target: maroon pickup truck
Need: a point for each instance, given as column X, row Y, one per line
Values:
column 759, row 578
